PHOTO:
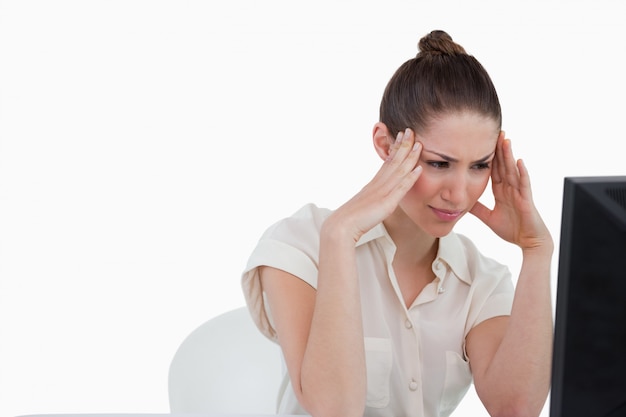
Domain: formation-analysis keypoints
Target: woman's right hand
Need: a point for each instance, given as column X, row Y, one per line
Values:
column 381, row 196
column 331, row 378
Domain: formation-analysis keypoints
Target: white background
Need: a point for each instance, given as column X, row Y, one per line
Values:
column 145, row 146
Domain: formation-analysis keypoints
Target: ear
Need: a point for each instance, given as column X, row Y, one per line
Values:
column 382, row 140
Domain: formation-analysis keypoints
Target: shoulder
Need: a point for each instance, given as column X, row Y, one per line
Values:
column 292, row 243
column 310, row 213
column 306, row 222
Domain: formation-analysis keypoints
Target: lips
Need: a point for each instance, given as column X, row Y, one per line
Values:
column 447, row 215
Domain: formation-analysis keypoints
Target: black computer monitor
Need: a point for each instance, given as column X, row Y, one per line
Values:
column 589, row 358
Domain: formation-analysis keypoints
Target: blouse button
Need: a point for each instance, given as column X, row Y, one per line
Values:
column 413, row 385
column 408, row 324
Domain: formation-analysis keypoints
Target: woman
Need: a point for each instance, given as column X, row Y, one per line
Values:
column 380, row 309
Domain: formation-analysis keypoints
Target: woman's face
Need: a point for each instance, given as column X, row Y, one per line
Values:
column 457, row 155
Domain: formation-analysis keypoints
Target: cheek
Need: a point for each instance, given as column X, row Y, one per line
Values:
column 424, row 186
column 477, row 187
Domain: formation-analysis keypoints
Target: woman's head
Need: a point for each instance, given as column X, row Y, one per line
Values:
column 442, row 79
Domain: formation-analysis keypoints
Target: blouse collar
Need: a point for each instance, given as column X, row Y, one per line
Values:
column 451, row 251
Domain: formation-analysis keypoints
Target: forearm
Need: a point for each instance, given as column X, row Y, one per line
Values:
column 333, row 376
column 518, row 377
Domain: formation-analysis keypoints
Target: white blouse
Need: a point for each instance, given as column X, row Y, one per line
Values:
column 415, row 357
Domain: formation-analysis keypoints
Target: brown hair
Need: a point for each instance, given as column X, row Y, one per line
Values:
column 441, row 79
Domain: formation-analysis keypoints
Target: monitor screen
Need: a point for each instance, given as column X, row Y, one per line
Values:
column 589, row 358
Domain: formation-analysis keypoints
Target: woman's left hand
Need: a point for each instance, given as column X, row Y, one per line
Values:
column 514, row 216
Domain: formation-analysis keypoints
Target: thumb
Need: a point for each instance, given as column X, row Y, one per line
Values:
column 481, row 211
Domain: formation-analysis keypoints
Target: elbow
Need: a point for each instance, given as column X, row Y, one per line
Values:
column 339, row 403
column 517, row 407
column 333, row 409
column 340, row 411
column 519, row 400
column 513, row 412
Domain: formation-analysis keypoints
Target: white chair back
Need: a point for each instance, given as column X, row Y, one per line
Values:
column 226, row 366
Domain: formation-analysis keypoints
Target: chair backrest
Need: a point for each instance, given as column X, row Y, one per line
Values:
column 226, row 366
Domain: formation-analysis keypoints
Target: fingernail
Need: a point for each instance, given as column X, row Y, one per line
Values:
column 416, row 146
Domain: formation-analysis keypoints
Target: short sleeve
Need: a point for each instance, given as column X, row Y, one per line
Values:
column 291, row 245
column 491, row 288
column 493, row 297
column 498, row 302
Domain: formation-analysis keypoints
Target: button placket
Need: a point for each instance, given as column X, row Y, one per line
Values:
column 439, row 272
column 412, row 384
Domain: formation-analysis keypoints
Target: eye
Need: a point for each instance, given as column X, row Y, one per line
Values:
column 439, row 164
column 481, row 165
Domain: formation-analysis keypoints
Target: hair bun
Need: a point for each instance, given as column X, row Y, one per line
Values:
column 439, row 42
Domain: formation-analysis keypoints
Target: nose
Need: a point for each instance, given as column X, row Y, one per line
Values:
column 454, row 190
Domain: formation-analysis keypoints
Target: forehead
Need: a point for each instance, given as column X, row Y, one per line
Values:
column 465, row 133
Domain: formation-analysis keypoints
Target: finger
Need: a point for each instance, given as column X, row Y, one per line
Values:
column 497, row 172
column 406, row 182
column 404, row 143
column 411, row 149
column 525, row 187
column 481, row 211
column 511, row 172
column 383, row 172
column 399, row 171
column 403, row 158
column 395, row 145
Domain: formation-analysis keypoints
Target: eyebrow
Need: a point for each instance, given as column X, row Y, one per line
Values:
column 451, row 159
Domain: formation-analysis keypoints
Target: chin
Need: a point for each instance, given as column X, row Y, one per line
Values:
column 441, row 230
column 438, row 232
column 440, row 235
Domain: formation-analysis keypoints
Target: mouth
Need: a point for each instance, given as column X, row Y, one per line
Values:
column 447, row 215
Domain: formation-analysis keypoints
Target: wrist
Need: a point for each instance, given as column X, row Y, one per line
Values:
column 336, row 231
column 543, row 250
